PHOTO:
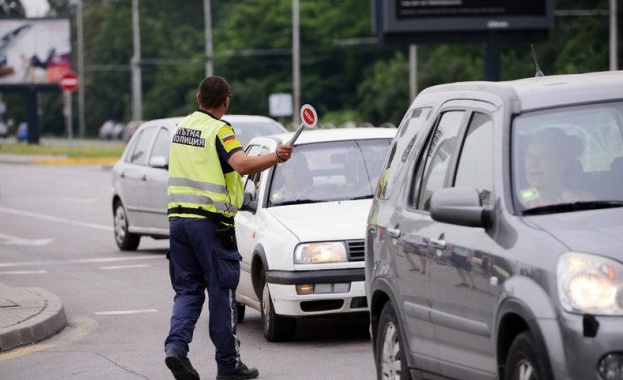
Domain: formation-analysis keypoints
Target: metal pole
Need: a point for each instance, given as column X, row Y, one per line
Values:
column 412, row 71
column 137, row 101
column 207, row 14
column 81, row 122
column 613, row 36
column 296, row 69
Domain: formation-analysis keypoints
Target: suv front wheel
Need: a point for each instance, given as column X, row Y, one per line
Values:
column 390, row 352
column 526, row 359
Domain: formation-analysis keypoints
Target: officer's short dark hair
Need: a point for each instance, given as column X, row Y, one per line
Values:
column 213, row 91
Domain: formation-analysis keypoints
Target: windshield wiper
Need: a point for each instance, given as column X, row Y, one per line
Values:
column 575, row 206
column 297, row 202
column 367, row 196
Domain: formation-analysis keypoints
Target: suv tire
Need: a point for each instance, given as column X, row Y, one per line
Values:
column 390, row 351
column 526, row 359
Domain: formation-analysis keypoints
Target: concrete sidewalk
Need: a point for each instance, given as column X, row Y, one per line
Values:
column 28, row 315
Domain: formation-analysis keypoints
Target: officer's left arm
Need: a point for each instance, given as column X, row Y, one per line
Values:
column 240, row 162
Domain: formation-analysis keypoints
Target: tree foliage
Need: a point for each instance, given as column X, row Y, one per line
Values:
column 342, row 73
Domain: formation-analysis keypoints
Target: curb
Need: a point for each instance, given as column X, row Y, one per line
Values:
column 39, row 316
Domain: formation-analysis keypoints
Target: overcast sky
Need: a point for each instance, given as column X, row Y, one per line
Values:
column 35, row 8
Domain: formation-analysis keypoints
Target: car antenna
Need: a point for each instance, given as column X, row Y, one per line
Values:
column 539, row 73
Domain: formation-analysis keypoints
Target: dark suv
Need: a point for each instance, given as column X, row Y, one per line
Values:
column 494, row 245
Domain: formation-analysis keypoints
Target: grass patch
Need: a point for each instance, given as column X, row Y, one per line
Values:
column 77, row 149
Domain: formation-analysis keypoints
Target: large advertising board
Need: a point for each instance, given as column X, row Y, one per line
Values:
column 447, row 19
column 34, row 51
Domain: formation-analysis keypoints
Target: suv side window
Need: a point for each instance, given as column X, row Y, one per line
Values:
column 408, row 132
column 475, row 168
column 439, row 152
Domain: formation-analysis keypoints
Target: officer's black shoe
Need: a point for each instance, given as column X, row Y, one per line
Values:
column 240, row 373
column 180, row 366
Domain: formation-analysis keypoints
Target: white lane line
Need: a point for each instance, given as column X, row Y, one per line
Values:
column 82, row 261
column 124, row 267
column 126, row 312
column 25, row 272
column 14, row 240
column 55, row 219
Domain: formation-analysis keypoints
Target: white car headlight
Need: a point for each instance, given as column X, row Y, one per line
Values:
column 590, row 284
column 320, row 253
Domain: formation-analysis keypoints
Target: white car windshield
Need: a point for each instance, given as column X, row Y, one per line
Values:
column 329, row 171
column 568, row 159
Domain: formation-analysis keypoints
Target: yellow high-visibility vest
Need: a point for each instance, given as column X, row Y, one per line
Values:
column 196, row 179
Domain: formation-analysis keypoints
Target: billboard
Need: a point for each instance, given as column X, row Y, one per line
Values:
column 34, row 51
column 439, row 20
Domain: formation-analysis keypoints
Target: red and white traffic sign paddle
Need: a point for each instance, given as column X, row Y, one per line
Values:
column 69, row 81
column 309, row 118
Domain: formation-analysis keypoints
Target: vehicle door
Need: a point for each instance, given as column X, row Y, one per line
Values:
column 249, row 223
column 412, row 228
column 133, row 176
column 461, row 288
column 154, row 204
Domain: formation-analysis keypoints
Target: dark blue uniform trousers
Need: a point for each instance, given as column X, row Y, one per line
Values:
column 198, row 261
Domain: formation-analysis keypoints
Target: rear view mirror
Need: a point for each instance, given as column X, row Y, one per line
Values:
column 459, row 205
column 248, row 203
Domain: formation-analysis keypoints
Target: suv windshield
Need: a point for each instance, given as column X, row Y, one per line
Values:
column 329, row 171
column 568, row 157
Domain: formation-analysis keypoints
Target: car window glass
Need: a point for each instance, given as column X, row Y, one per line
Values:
column 440, row 151
column 141, row 148
column 162, row 144
column 475, row 168
column 408, row 132
column 568, row 155
column 329, row 171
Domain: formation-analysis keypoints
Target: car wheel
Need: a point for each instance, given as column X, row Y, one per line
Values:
column 526, row 359
column 390, row 355
column 276, row 328
column 240, row 309
column 125, row 240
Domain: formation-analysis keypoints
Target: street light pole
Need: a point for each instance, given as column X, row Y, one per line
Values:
column 613, row 36
column 296, row 70
column 81, row 121
column 207, row 14
column 137, row 101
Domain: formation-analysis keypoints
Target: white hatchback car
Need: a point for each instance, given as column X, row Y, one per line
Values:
column 139, row 178
column 301, row 228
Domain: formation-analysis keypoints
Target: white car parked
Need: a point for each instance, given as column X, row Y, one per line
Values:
column 301, row 228
column 139, row 178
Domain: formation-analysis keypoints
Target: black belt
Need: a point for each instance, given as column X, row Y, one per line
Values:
column 219, row 218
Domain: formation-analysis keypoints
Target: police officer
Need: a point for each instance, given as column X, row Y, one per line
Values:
column 205, row 191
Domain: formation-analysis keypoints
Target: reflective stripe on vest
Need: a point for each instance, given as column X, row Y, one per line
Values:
column 196, row 178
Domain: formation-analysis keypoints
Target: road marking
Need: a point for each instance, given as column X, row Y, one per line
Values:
column 124, row 267
column 55, row 219
column 25, row 272
column 14, row 240
column 125, row 312
column 81, row 261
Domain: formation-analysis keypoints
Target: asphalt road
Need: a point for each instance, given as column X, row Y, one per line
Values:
column 56, row 233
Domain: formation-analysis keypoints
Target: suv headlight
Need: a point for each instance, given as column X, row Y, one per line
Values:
column 320, row 253
column 590, row 284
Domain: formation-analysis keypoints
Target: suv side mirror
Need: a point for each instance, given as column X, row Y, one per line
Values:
column 459, row 205
column 248, row 203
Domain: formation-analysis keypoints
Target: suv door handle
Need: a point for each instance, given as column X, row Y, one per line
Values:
column 438, row 243
column 393, row 232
